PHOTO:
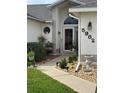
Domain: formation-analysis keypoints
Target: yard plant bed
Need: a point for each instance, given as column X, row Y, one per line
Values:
column 38, row 82
column 50, row 57
column 90, row 76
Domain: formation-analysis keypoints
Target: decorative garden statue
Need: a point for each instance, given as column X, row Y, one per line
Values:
column 31, row 57
column 87, row 64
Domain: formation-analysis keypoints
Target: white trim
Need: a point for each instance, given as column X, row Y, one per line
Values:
column 71, row 25
column 61, row 1
column 48, row 21
column 56, row 3
column 82, row 9
column 36, row 19
column 78, row 2
column 73, row 16
column 67, row 27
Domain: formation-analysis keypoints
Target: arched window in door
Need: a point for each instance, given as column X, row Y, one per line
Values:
column 70, row 20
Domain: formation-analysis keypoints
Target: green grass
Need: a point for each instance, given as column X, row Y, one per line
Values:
column 39, row 82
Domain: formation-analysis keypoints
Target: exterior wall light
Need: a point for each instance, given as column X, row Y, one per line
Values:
column 59, row 32
column 89, row 26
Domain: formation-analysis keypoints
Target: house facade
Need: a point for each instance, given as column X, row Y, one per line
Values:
column 66, row 23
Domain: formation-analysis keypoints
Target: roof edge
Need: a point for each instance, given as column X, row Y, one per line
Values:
column 76, row 10
column 36, row 19
column 61, row 1
column 33, row 18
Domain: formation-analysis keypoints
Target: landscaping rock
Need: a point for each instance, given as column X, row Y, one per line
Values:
column 82, row 73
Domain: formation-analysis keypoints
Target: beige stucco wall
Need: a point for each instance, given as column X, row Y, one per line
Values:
column 59, row 14
column 55, row 26
column 87, row 47
column 34, row 30
column 63, row 14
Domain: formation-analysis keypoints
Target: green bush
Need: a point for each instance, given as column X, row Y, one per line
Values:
column 41, row 48
column 63, row 63
column 31, row 58
column 29, row 63
column 41, row 40
column 49, row 44
column 71, row 59
column 40, row 52
column 75, row 58
column 49, row 47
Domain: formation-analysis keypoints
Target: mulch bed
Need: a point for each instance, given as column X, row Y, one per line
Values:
column 50, row 57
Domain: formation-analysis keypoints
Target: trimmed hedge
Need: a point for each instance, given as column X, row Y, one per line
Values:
column 39, row 49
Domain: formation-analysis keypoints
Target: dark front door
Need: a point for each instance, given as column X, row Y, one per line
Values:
column 68, row 39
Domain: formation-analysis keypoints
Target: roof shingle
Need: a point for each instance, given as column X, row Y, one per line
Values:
column 88, row 4
column 40, row 11
column 87, row 1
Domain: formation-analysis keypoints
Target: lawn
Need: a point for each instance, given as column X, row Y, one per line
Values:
column 38, row 82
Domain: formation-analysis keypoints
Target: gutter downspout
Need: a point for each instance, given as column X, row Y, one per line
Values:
column 79, row 40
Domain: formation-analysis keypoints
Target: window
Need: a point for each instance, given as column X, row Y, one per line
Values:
column 46, row 30
column 70, row 20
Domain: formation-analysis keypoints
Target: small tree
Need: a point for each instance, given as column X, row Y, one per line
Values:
column 47, row 46
column 42, row 40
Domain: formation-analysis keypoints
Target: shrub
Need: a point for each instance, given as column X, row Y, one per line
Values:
column 31, row 58
column 63, row 63
column 72, row 59
column 29, row 63
column 75, row 58
column 41, row 48
column 40, row 52
column 41, row 39
column 49, row 47
column 49, row 44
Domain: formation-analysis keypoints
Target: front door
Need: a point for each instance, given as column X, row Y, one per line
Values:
column 68, row 39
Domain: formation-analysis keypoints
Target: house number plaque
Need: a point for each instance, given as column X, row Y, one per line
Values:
column 86, row 33
column 89, row 36
column 83, row 30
